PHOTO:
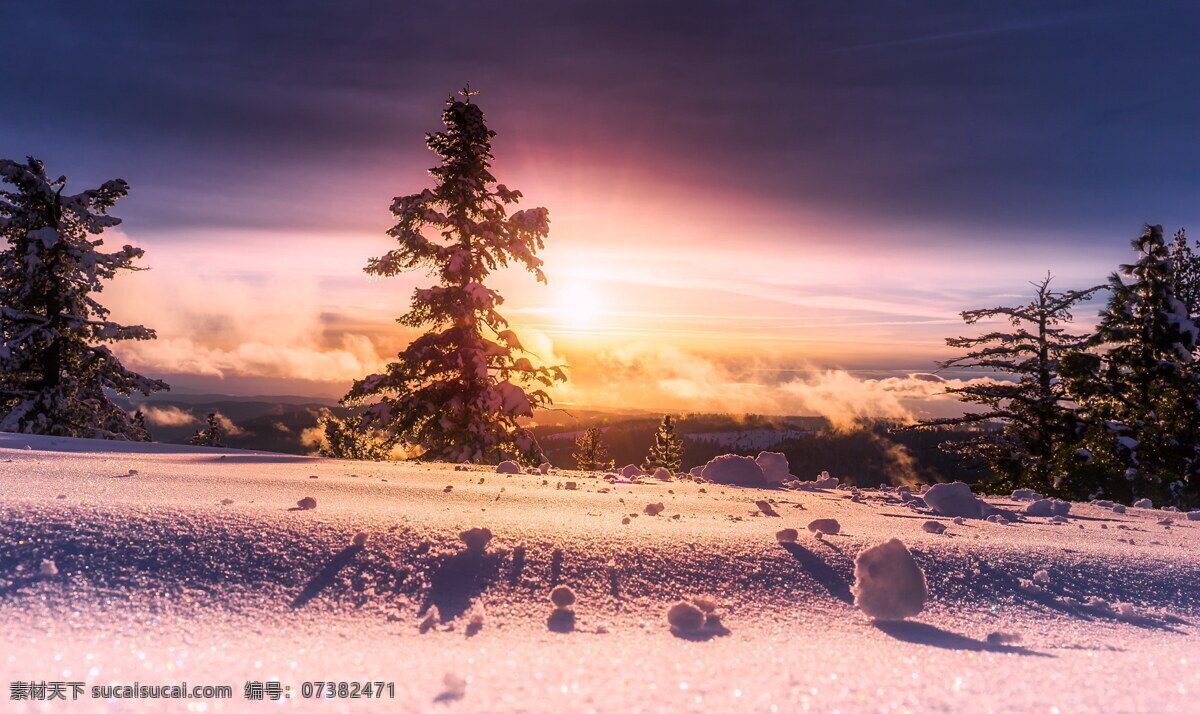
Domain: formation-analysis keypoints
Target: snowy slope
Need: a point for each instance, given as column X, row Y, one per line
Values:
column 199, row 567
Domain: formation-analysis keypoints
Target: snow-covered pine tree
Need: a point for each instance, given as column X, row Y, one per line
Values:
column 667, row 450
column 1186, row 264
column 210, row 435
column 1027, row 427
column 55, row 367
column 344, row 439
column 1136, row 388
column 591, row 453
column 458, row 390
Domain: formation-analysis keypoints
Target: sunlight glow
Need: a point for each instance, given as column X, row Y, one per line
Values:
column 579, row 304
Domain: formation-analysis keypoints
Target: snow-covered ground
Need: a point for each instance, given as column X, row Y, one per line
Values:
column 200, row 567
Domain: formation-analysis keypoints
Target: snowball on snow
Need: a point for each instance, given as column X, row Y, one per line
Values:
column 630, row 471
column 476, row 538
column 954, row 499
column 731, row 469
column 1048, row 507
column 828, row 526
column 508, row 467
column 685, row 617
column 562, row 596
column 774, row 466
column 888, row 583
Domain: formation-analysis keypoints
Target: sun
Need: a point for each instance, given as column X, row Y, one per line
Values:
column 579, row 303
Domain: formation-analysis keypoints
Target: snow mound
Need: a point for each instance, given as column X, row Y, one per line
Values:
column 889, row 585
column 774, row 466
column 508, row 467
column 955, row 499
column 1025, row 494
column 1048, row 507
column 1143, row 503
column 734, row 470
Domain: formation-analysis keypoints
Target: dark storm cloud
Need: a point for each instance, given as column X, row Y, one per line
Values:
column 999, row 120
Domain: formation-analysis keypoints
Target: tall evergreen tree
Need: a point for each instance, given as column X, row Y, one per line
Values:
column 211, row 435
column 458, row 390
column 1136, row 386
column 1028, row 433
column 55, row 366
column 667, row 450
column 591, row 453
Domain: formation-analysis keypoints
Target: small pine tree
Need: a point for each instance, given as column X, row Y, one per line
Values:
column 344, row 439
column 55, row 367
column 139, row 426
column 667, row 451
column 1136, row 387
column 1036, row 438
column 458, row 391
column 591, row 453
column 211, row 435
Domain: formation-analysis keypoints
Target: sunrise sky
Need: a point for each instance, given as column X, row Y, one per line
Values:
column 753, row 205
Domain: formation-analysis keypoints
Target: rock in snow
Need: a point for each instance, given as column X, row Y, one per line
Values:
column 1118, row 508
column 307, row 503
column 933, row 527
column 508, row 467
column 787, row 535
column 888, row 583
column 1143, row 503
column 48, row 568
column 1025, row 494
column 662, row 474
column 734, row 470
column 1193, row 515
column 774, row 466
